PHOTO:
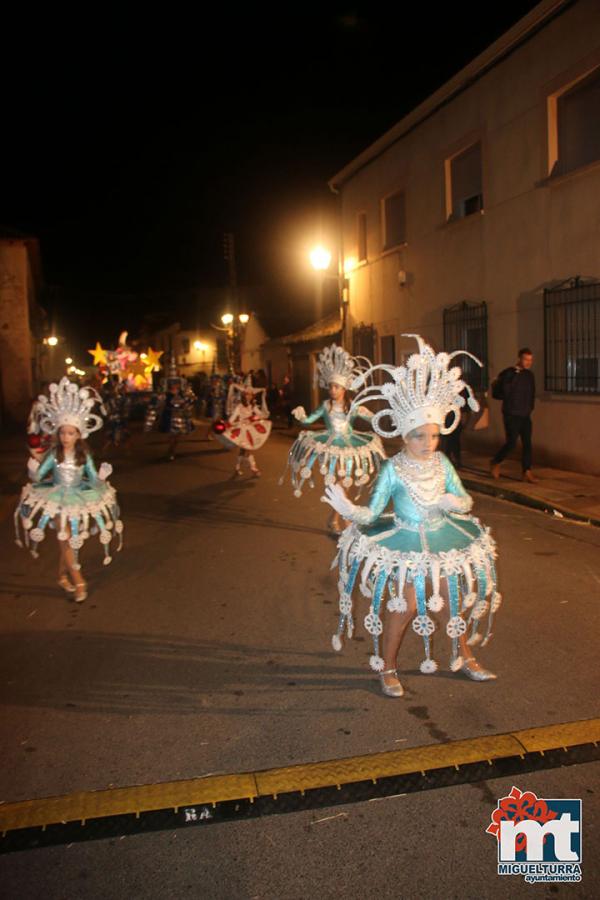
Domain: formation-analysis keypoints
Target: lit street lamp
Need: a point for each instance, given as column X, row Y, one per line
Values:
column 234, row 326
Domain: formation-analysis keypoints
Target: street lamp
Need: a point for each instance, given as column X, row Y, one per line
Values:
column 227, row 319
column 68, row 361
column 52, row 341
column 320, row 258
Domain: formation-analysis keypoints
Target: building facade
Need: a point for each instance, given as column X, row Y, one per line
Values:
column 475, row 222
column 24, row 358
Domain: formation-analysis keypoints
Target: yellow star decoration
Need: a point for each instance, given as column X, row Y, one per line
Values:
column 152, row 360
column 99, row 355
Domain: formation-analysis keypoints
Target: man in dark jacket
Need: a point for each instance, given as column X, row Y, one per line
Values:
column 516, row 387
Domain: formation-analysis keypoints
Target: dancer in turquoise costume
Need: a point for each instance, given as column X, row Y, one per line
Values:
column 339, row 452
column 66, row 491
column 430, row 554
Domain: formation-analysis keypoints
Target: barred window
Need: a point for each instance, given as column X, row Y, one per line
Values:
column 572, row 338
column 185, row 345
column 394, row 220
column 465, row 328
column 388, row 350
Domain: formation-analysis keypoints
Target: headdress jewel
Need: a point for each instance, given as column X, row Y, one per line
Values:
column 422, row 392
column 68, row 404
column 336, row 366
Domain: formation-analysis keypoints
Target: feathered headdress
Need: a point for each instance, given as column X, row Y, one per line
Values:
column 422, row 392
column 68, row 404
column 336, row 366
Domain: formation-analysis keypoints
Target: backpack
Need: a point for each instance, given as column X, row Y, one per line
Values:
column 498, row 388
column 501, row 383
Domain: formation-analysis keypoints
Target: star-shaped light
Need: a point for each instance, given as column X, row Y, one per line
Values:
column 99, row 355
column 152, row 360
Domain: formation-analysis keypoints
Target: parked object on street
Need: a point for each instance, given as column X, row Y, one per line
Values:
column 66, row 492
column 339, row 452
column 248, row 425
column 430, row 553
column 515, row 386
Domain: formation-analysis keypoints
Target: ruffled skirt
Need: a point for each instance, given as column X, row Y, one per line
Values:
column 247, row 435
column 77, row 512
column 385, row 557
column 351, row 460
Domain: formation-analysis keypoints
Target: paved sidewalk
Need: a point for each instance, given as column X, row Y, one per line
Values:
column 558, row 492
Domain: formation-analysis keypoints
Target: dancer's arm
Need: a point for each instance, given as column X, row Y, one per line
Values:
column 456, row 498
column 46, row 467
column 364, row 515
column 300, row 414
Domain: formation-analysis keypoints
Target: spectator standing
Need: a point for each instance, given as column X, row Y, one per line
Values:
column 515, row 386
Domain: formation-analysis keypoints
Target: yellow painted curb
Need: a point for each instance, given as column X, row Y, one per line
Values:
column 213, row 789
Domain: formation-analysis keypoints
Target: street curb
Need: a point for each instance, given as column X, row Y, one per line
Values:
column 90, row 815
column 513, row 496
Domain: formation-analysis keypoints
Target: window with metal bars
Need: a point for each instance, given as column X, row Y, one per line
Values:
column 572, row 337
column 465, row 328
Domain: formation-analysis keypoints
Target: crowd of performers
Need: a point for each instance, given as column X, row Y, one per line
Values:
column 412, row 552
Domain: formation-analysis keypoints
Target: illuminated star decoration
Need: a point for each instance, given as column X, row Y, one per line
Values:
column 99, row 355
column 153, row 359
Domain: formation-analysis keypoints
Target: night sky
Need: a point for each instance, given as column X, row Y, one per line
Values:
column 134, row 139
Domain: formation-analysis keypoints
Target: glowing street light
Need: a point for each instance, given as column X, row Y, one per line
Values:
column 52, row 341
column 227, row 319
column 244, row 318
column 201, row 346
column 69, row 361
column 320, row 258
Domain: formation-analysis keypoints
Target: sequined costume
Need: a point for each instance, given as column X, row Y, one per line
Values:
column 339, row 452
column 430, row 538
column 420, row 540
column 171, row 413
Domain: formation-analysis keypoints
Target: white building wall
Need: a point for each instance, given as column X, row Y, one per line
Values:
column 531, row 234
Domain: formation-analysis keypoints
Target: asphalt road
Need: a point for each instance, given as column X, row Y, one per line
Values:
column 205, row 647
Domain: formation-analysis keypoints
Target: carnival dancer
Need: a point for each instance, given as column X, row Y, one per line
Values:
column 248, row 425
column 170, row 410
column 118, row 405
column 339, row 451
column 430, row 553
column 66, row 491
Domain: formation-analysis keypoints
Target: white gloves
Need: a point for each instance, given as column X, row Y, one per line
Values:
column 104, row 471
column 453, row 503
column 299, row 412
column 335, row 496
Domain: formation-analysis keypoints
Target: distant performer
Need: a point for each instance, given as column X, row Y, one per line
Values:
column 515, row 386
column 339, row 452
column 248, row 426
column 170, row 410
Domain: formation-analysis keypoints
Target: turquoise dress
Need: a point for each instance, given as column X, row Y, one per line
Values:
column 72, row 498
column 339, row 452
column 422, row 542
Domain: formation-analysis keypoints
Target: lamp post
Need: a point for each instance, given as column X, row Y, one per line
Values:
column 234, row 326
column 320, row 259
